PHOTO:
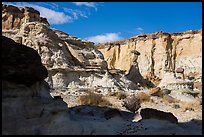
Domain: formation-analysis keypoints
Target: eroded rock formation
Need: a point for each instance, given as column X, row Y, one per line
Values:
column 71, row 62
column 27, row 106
column 159, row 52
column 13, row 17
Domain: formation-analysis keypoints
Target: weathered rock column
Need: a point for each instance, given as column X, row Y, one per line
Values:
column 134, row 73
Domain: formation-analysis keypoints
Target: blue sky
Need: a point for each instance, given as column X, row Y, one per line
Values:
column 109, row 21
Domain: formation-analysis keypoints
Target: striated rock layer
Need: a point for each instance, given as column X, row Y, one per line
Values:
column 70, row 61
column 159, row 51
column 27, row 106
column 30, row 110
column 13, row 17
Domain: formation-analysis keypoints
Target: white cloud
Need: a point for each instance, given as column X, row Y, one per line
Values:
column 76, row 13
column 50, row 11
column 108, row 37
column 140, row 30
column 52, row 16
column 88, row 4
column 50, row 4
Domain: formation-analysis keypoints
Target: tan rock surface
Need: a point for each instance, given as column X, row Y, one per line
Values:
column 157, row 49
column 13, row 17
column 70, row 61
column 78, row 66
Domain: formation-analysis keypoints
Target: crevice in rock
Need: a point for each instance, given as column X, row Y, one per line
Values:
column 119, row 51
column 169, row 49
column 152, row 57
column 174, row 44
column 75, row 60
column 12, row 23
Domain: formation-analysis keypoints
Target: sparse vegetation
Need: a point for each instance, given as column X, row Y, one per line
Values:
column 143, row 97
column 198, row 85
column 118, row 95
column 148, row 83
column 190, row 105
column 169, row 99
column 152, row 80
column 93, row 99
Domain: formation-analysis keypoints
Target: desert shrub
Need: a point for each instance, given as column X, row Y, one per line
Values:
column 169, row 99
column 190, row 105
column 143, row 97
column 93, row 99
column 198, row 85
column 176, row 106
column 111, row 94
column 132, row 103
column 148, row 83
column 118, row 95
column 152, row 80
column 151, row 100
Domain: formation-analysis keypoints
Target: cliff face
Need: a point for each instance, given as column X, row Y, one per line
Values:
column 13, row 17
column 63, row 55
column 159, row 52
column 27, row 106
column 70, row 61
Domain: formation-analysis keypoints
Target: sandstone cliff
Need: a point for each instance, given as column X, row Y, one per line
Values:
column 159, row 52
column 13, row 17
column 70, row 61
column 29, row 108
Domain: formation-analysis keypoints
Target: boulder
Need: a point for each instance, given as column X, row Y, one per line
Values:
column 21, row 64
column 154, row 91
column 132, row 103
column 165, row 91
column 149, row 113
column 111, row 113
column 180, row 70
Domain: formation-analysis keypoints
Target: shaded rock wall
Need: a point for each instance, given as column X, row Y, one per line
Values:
column 21, row 64
column 27, row 106
column 60, row 53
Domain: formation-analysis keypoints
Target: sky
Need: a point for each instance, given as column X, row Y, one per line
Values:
column 101, row 22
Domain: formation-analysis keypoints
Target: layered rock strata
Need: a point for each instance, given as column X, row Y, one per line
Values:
column 71, row 62
column 27, row 106
column 159, row 51
column 13, row 17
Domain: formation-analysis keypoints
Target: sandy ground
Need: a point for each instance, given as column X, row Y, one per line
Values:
column 159, row 103
column 189, row 117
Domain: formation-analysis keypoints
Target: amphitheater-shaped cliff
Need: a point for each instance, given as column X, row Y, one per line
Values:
column 159, row 51
column 28, row 107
